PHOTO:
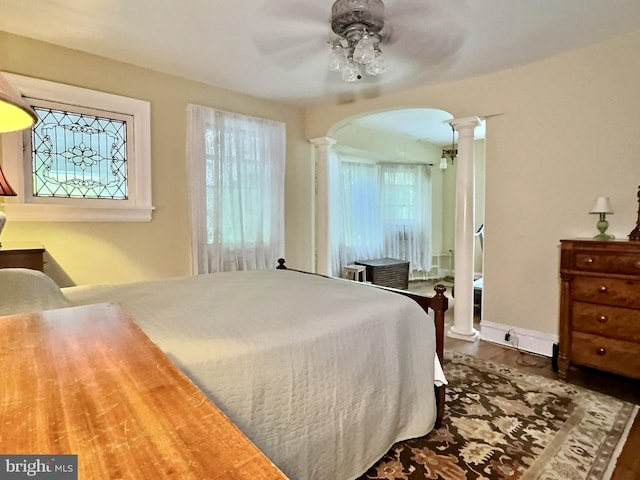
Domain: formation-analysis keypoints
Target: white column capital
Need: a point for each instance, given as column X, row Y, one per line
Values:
column 323, row 142
column 465, row 123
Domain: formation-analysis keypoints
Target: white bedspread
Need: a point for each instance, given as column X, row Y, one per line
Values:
column 323, row 375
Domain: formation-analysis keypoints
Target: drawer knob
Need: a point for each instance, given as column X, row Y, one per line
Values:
column 602, row 289
column 637, row 264
column 602, row 319
column 588, row 261
column 601, row 351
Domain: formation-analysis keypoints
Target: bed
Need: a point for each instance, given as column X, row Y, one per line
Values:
column 323, row 375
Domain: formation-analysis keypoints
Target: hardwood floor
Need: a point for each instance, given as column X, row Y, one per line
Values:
column 628, row 466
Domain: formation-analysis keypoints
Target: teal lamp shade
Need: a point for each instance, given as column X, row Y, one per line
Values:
column 602, row 207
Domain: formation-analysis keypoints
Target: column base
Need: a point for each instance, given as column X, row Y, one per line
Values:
column 471, row 336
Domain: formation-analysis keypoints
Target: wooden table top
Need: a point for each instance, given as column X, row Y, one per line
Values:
column 88, row 381
column 9, row 247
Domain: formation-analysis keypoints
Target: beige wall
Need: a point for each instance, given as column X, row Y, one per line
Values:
column 78, row 253
column 559, row 133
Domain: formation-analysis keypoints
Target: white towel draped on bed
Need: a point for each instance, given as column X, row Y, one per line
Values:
column 323, row 375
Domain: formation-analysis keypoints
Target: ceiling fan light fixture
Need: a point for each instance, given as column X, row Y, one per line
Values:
column 357, row 23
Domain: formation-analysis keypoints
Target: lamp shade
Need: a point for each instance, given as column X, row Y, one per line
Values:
column 5, row 188
column 15, row 113
column 602, row 205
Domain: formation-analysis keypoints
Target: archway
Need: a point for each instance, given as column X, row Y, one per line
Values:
column 419, row 135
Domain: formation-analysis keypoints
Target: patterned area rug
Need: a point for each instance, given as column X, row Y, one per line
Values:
column 501, row 423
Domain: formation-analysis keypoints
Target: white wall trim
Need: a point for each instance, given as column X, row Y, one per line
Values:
column 26, row 212
column 527, row 340
column 16, row 160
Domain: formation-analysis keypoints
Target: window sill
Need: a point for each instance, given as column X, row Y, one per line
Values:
column 58, row 213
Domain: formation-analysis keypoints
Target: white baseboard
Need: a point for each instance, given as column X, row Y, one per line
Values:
column 527, row 340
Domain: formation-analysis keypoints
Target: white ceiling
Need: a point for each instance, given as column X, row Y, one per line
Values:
column 423, row 124
column 277, row 48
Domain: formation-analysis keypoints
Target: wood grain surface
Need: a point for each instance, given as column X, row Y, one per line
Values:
column 88, row 381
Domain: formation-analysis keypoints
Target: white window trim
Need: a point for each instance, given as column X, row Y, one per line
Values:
column 18, row 170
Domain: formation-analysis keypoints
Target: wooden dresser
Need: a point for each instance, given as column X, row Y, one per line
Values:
column 87, row 381
column 387, row 272
column 600, row 306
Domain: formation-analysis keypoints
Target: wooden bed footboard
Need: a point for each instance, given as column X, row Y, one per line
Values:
column 439, row 303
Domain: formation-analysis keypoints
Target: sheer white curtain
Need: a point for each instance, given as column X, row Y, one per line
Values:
column 380, row 211
column 236, row 177
column 356, row 225
column 406, row 213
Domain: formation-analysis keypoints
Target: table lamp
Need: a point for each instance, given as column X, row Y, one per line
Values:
column 15, row 114
column 602, row 207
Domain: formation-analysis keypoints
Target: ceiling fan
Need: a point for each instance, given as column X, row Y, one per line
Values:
column 403, row 39
column 358, row 26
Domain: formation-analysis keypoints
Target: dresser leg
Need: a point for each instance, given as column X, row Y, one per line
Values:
column 554, row 357
column 563, row 367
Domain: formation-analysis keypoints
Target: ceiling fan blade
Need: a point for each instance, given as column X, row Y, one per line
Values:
column 292, row 50
column 404, row 8
column 269, row 43
column 291, row 32
column 433, row 36
column 296, row 11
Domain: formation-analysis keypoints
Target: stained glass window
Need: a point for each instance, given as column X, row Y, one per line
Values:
column 88, row 158
column 79, row 155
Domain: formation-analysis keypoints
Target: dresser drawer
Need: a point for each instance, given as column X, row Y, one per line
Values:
column 614, row 322
column 605, row 262
column 616, row 356
column 607, row 291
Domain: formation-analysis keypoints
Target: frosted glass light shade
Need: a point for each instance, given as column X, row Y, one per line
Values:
column 337, row 59
column 364, row 52
column 377, row 67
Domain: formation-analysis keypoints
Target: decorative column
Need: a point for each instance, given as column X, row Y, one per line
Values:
column 322, row 201
column 464, row 236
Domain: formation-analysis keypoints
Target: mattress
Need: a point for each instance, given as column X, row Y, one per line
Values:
column 323, row 375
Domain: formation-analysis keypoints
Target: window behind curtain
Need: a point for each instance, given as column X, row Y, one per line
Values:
column 356, row 224
column 236, row 166
column 406, row 214
column 380, row 211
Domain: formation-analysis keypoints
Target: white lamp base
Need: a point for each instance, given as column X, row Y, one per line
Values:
column 3, row 220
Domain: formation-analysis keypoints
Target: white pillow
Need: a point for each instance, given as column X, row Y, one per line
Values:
column 23, row 290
